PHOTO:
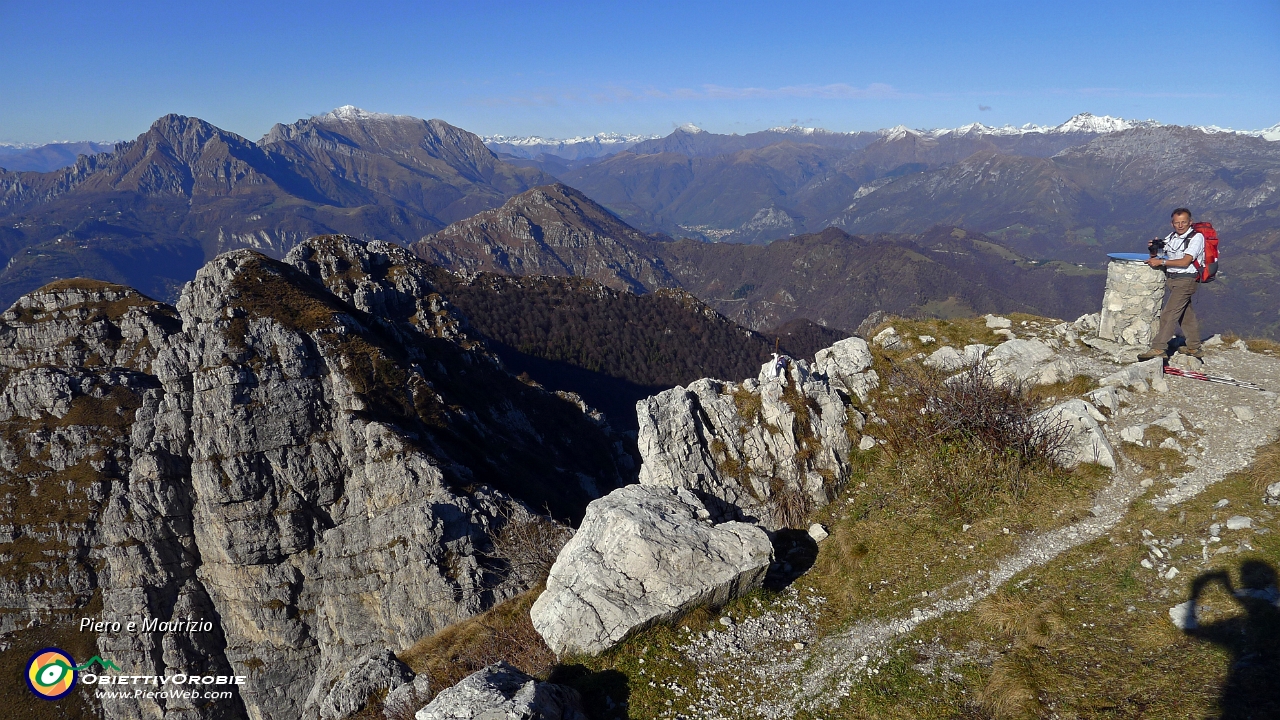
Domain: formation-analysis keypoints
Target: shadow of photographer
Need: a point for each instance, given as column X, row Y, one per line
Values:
column 1252, row 688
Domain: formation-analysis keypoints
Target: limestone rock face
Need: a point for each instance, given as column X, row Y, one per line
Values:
column 501, row 692
column 1086, row 440
column 641, row 556
column 301, row 455
column 1131, row 303
column 750, row 450
column 379, row 671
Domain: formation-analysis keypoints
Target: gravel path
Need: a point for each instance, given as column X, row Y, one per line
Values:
column 772, row 667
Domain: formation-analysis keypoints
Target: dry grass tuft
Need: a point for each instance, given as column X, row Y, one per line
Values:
column 1265, row 468
column 1263, row 346
column 748, row 404
column 1010, row 692
column 1156, row 462
column 503, row 633
column 789, row 505
column 932, row 410
column 1050, row 394
column 1025, row 620
column 1028, row 624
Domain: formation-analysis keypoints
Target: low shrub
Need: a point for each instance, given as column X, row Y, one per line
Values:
column 961, row 441
column 527, row 545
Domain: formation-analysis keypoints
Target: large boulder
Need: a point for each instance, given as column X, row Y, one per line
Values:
column 376, row 673
column 644, row 555
column 501, row 692
column 1028, row 361
column 1085, row 439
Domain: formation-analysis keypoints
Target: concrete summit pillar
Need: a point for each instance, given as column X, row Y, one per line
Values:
column 1131, row 304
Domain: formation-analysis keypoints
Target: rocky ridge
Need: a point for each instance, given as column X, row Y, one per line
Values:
column 299, row 452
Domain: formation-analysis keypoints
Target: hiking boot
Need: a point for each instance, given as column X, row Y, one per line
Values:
column 1198, row 353
column 1152, row 353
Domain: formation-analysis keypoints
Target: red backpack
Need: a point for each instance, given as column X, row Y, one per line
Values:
column 1207, row 272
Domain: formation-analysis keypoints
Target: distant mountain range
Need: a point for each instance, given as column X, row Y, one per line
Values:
column 1040, row 200
column 1064, row 192
column 608, row 143
column 48, row 157
column 575, row 148
column 830, row 277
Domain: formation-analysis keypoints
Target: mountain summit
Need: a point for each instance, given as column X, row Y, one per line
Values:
column 550, row 230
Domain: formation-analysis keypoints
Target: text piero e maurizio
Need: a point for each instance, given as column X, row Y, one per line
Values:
column 147, row 626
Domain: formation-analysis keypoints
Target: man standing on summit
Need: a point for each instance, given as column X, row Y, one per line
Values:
column 1181, row 259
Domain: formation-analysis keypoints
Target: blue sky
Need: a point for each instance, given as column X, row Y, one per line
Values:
column 106, row 70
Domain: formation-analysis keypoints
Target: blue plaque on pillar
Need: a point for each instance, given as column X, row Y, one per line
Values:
column 1129, row 257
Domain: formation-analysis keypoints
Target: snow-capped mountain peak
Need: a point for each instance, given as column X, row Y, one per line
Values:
column 898, row 132
column 690, row 128
column 1090, row 123
column 794, row 130
column 1081, row 123
column 975, row 128
column 351, row 113
column 1272, row 133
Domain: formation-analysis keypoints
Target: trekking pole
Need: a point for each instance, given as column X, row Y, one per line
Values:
column 1192, row 374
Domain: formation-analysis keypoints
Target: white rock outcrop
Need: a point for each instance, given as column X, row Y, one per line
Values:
column 641, row 556
column 1086, row 440
column 847, row 365
column 1139, row 376
column 946, row 359
column 888, row 339
column 1028, row 361
column 501, row 692
column 406, row 700
column 743, row 447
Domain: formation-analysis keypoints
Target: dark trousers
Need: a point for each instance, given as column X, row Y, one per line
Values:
column 1178, row 311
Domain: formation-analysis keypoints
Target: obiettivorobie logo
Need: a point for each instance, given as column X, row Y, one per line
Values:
column 51, row 673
